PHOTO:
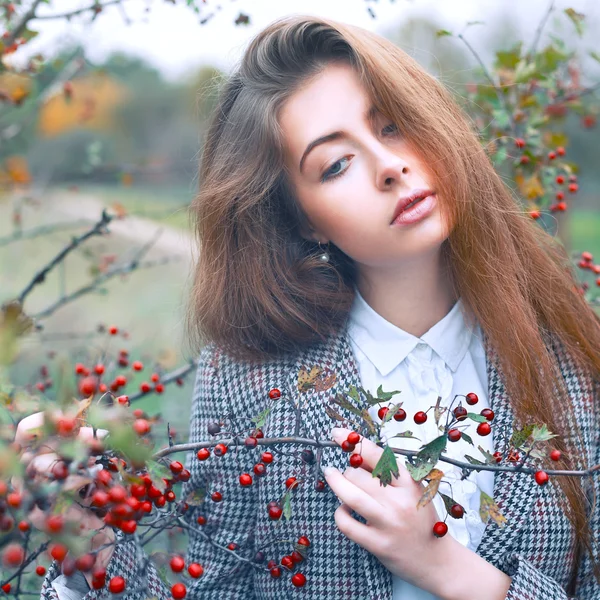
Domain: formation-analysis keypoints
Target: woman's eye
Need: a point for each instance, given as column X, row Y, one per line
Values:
column 333, row 172
column 390, row 129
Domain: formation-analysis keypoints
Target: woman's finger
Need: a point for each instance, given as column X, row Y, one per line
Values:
column 355, row 497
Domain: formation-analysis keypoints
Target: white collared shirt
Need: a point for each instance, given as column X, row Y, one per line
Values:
column 447, row 360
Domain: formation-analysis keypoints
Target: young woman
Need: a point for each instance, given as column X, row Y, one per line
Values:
column 311, row 257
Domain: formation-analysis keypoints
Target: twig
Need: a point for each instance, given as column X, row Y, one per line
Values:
column 22, row 24
column 42, row 230
column 538, row 33
column 98, row 229
column 94, row 7
column 172, row 376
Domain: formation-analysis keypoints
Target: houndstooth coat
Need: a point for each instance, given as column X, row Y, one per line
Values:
column 535, row 548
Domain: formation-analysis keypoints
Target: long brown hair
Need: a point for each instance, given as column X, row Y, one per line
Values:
column 259, row 290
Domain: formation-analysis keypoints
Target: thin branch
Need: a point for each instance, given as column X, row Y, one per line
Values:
column 98, row 229
column 540, row 29
column 22, row 24
column 42, row 230
column 94, row 8
column 166, row 379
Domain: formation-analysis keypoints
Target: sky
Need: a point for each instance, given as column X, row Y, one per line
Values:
column 168, row 35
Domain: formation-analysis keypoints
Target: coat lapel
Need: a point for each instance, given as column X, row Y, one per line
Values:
column 513, row 493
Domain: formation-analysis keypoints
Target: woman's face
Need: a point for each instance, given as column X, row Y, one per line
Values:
column 349, row 187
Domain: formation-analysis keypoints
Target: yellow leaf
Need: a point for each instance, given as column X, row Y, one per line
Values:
column 306, row 380
column 532, row 187
column 489, row 510
column 325, row 383
column 435, row 476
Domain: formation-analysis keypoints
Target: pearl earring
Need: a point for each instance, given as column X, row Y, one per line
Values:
column 324, row 257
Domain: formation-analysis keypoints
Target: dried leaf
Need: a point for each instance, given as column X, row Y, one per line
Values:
column 332, row 414
column 449, row 503
column 489, row 509
column 435, row 476
column 325, row 383
column 343, row 403
column 520, row 436
column 437, row 411
column 369, row 423
column 306, row 379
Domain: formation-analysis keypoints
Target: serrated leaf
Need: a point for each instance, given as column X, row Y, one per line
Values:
column 405, row 434
column 576, row 18
column 432, row 451
column 196, row 497
column 261, row 418
column 386, row 466
column 473, row 461
column 442, row 33
column 520, row 436
column 541, row 433
column 353, row 393
column 386, row 396
column 435, row 476
column 344, row 403
column 372, row 428
column 509, row 59
column 332, row 414
column 489, row 510
column 550, row 58
column 306, row 379
column 476, row 417
column 419, row 471
column 489, row 458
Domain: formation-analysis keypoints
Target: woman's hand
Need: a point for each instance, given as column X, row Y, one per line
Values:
column 39, row 467
column 398, row 533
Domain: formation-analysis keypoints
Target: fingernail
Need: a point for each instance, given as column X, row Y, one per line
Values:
column 336, row 432
column 327, row 470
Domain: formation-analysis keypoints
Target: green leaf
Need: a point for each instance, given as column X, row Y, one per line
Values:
column 467, row 438
column 520, row 436
column 541, row 434
column 449, row 503
column 524, row 71
column 157, row 471
column 508, row 59
column 474, row 461
column 405, row 434
column 432, row 451
column 500, row 118
column 385, row 396
column 418, row 471
column 366, row 417
column 442, row 33
column 391, row 412
column 550, row 58
column 577, row 20
column 386, row 466
column 595, row 56
column 261, row 418
column 476, row 417
column 488, row 457
column 341, row 401
column 287, row 505
column 353, row 393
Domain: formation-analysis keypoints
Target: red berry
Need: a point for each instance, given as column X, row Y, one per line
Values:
column 534, row 214
column 113, row 330
column 400, row 415
column 88, row 386
column 121, row 380
column 138, row 413
column 216, row 496
column 155, row 377
column 472, row 398
column 356, row 460
column 560, row 195
column 13, row 555
column 275, row 572
column 524, row 159
column 484, row 428
column 60, row 470
column 319, row 486
column 440, row 529
column 587, row 256
column 79, row 369
column 203, row 453
column 290, row 483
column 24, row 526
column 552, row 155
column 137, row 365
column 561, row 206
column 555, row 455
column 99, row 369
column 141, row 426
column 259, row 469
column 85, row 562
column 159, row 388
column 232, row 546
column 55, row 523
column 177, row 564
column 178, row 591
column 520, row 143
column 541, row 477
column 275, row 512
column 176, row 467
column 303, row 541
column 460, row 413
column 13, row 499
column 296, row 557
column 129, row 526
column 488, row 413
column 457, row 511
column 100, row 498
column 347, row 446
column 195, row 570
column 58, row 552
column 145, row 387
column 298, row 579
column 420, row 417
column 40, row 570
column 116, row 585
column 353, row 437
column 498, row 456
column 220, row 450
column 560, row 179
column 201, row 520
column 573, row 187
column 560, row 151
column 454, row 435
column 382, row 412
column 6, row 588
column 287, row 562
column 250, row 442
column 245, row 479
column 117, row 493
column 274, row 394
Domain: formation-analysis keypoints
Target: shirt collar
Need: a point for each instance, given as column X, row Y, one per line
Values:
column 386, row 345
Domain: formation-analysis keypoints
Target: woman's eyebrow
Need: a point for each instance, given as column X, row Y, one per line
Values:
column 369, row 116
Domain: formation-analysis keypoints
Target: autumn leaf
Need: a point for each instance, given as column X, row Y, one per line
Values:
column 344, row 403
column 369, row 422
column 520, row 436
column 325, row 383
column 489, row 510
column 449, row 503
column 332, row 414
column 306, row 379
column 386, row 466
column 435, row 476
column 577, row 20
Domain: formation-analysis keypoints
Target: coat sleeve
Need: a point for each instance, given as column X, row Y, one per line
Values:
column 528, row 583
column 230, row 520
